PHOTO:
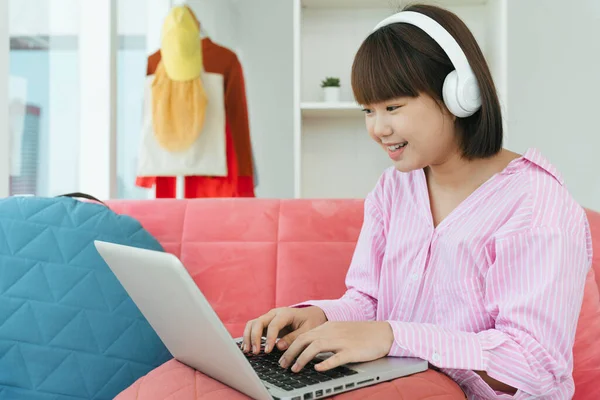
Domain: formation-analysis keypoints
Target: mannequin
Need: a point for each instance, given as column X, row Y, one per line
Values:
column 240, row 179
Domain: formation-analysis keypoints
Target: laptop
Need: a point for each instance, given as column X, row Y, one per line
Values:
column 168, row 297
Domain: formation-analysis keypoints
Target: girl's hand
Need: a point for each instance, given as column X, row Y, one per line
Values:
column 284, row 322
column 350, row 341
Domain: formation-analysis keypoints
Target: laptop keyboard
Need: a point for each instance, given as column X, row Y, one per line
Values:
column 268, row 369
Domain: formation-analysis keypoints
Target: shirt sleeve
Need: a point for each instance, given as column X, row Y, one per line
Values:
column 534, row 288
column 359, row 302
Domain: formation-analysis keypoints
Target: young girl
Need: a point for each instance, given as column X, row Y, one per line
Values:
column 471, row 257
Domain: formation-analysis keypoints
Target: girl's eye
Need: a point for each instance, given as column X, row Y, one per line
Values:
column 392, row 108
column 366, row 110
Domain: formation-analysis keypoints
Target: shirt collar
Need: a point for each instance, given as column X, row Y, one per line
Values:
column 535, row 157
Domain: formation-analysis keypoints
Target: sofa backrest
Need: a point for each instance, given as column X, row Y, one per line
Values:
column 284, row 251
column 250, row 255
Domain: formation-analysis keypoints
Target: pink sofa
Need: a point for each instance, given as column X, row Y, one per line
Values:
column 250, row 255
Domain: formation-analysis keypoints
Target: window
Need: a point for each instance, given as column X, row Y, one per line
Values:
column 44, row 126
column 72, row 103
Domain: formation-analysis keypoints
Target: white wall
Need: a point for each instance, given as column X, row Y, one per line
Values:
column 496, row 49
column 553, row 84
column 339, row 158
column 265, row 37
column 217, row 19
column 154, row 11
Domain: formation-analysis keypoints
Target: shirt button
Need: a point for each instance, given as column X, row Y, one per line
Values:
column 415, row 277
column 436, row 357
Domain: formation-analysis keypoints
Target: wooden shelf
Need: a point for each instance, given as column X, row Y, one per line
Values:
column 328, row 109
column 389, row 4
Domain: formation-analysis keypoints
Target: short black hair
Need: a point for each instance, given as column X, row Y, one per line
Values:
column 401, row 60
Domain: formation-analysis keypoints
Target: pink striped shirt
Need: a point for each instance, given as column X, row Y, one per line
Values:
column 496, row 287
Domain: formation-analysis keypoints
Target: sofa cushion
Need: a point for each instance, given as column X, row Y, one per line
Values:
column 175, row 381
column 68, row 329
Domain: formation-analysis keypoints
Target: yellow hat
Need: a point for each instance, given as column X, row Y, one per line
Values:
column 181, row 49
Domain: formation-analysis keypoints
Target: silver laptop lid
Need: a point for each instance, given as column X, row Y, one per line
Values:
column 181, row 316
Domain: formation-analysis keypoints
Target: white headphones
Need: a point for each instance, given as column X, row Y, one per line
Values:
column 461, row 91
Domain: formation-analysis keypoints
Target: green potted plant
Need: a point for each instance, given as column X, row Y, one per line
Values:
column 331, row 89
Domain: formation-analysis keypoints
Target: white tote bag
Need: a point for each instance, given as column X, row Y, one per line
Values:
column 206, row 157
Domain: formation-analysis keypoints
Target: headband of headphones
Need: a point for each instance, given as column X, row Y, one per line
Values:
column 461, row 91
column 437, row 33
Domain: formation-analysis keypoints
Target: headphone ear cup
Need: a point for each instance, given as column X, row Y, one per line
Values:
column 470, row 95
column 462, row 101
column 450, row 94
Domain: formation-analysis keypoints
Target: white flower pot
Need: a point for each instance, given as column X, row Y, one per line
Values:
column 331, row 94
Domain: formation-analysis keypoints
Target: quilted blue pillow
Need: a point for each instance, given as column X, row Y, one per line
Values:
column 68, row 329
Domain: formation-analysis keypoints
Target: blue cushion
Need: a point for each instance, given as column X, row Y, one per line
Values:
column 68, row 329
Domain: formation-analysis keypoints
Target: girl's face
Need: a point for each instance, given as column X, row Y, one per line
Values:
column 416, row 132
